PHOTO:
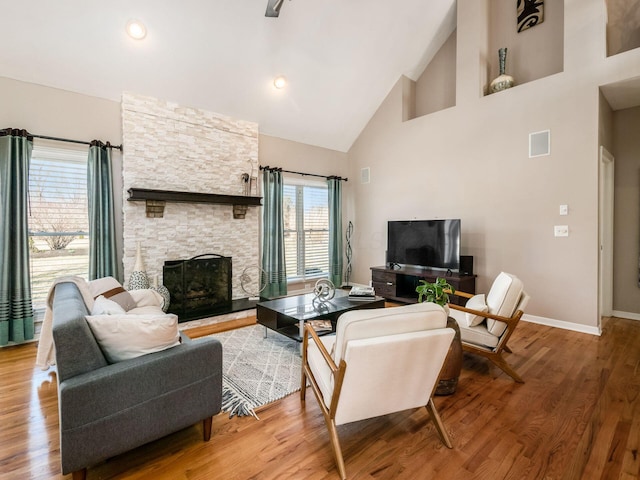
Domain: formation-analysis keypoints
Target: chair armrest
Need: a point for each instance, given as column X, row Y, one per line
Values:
column 507, row 320
column 309, row 332
column 123, row 385
column 460, row 293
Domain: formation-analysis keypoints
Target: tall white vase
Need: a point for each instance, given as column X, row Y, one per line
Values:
column 138, row 279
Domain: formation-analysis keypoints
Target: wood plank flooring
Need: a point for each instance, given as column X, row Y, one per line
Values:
column 576, row 417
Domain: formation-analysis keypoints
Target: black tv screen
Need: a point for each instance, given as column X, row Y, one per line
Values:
column 425, row 243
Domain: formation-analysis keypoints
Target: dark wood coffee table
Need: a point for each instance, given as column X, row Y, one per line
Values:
column 287, row 315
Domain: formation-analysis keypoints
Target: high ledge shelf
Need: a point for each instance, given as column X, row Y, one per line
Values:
column 156, row 199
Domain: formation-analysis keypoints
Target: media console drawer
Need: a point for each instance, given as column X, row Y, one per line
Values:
column 400, row 284
column 384, row 283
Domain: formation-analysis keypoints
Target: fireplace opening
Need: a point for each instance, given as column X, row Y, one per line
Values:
column 199, row 287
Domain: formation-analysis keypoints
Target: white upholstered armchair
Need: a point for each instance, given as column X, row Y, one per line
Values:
column 487, row 323
column 399, row 351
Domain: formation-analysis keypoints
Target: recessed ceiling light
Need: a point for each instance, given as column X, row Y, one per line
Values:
column 280, row 82
column 136, row 29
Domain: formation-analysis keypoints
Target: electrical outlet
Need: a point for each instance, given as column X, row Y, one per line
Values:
column 561, row 230
column 564, row 209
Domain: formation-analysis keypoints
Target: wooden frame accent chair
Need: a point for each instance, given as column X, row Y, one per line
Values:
column 399, row 351
column 486, row 324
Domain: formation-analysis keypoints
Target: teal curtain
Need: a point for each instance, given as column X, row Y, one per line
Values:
column 273, row 262
column 102, row 231
column 16, row 308
column 334, row 186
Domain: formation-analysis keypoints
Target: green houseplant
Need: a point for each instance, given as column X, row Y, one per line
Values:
column 437, row 292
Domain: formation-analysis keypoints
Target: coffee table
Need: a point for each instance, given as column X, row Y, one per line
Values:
column 288, row 315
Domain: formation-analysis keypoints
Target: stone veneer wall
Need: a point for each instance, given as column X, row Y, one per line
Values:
column 170, row 147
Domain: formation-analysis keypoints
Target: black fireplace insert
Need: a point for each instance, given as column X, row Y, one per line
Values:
column 199, row 287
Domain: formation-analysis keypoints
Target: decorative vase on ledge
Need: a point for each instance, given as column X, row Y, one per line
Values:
column 503, row 81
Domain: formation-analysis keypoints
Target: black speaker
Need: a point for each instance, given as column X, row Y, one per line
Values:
column 466, row 264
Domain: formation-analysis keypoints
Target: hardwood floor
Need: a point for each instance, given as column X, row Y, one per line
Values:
column 576, row 417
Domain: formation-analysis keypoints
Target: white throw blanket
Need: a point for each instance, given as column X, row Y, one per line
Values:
column 46, row 355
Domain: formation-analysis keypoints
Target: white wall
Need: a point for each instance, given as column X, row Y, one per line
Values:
column 471, row 162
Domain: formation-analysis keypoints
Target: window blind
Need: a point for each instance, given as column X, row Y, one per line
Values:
column 58, row 218
column 306, row 228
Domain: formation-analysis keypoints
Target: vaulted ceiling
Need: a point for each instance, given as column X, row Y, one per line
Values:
column 340, row 57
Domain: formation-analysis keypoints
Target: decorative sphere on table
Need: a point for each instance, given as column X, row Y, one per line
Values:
column 324, row 290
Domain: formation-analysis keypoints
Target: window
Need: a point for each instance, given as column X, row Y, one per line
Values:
column 58, row 218
column 306, row 230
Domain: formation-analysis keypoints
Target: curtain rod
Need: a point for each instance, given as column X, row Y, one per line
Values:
column 328, row 177
column 58, row 139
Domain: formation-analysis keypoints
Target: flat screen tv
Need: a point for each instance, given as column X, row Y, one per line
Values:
column 424, row 243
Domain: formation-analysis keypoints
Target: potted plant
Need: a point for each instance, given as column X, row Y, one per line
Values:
column 437, row 292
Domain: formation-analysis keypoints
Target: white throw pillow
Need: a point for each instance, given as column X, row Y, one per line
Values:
column 104, row 306
column 477, row 302
column 122, row 337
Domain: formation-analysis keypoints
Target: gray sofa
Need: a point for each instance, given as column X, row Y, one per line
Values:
column 107, row 409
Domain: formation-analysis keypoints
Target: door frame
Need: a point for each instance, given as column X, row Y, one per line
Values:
column 605, row 233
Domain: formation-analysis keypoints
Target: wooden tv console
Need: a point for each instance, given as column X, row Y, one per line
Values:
column 399, row 284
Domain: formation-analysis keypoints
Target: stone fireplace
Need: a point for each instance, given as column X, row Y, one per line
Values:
column 167, row 146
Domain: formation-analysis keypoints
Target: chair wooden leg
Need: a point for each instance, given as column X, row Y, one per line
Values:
column 437, row 421
column 79, row 474
column 502, row 364
column 303, row 386
column 206, row 428
column 335, row 444
column 507, row 349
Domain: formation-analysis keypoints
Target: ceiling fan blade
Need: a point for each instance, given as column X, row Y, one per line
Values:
column 273, row 8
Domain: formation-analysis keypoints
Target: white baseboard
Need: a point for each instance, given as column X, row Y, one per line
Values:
column 629, row 315
column 551, row 322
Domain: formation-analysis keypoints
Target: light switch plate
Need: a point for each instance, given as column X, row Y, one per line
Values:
column 564, row 209
column 561, row 230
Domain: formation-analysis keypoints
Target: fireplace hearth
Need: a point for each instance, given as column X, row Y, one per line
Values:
column 199, row 287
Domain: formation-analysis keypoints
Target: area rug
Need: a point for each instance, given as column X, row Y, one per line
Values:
column 257, row 370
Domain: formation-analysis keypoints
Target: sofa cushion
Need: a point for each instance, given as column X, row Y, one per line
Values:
column 122, row 337
column 479, row 303
column 502, row 300
column 111, row 289
column 146, row 310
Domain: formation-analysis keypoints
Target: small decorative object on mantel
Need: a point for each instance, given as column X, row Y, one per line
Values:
column 246, row 185
column 503, row 81
column 138, row 278
column 530, row 13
